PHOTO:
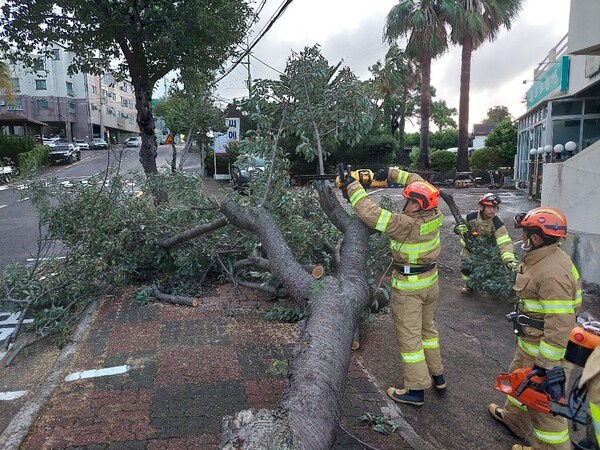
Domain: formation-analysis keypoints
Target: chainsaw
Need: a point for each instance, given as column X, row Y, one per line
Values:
column 529, row 388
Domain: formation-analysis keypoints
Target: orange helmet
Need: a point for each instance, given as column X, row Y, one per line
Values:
column 489, row 199
column 550, row 221
column 425, row 194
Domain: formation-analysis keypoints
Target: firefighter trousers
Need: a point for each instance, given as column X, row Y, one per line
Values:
column 546, row 431
column 416, row 335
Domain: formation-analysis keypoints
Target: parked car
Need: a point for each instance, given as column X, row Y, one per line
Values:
column 49, row 142
column 134, row 141
column 97, row 143
column 64, row 153
column 83, row 145
column 245, row 169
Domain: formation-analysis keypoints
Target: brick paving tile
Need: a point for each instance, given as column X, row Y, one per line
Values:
column 188, row 368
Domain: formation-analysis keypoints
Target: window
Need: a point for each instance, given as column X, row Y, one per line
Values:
column 16, row 84
column 56, row 54
column 70, row 89
column 16, row 106
column 71, row 108
column 42, row 104
column 40, row 85
column 591, row 132
column 39, row 64
column 567, row 108
column 592, row 106
column 94, row 89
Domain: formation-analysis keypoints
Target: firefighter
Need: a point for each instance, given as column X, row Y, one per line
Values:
column 415, row 244
column 486, row 223
column 590, row 380
column 548, row 293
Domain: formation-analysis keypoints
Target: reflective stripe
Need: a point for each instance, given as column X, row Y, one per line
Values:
column 462, row 242
column 357, row 195
column 502, row 240
column 507, row 255
column 431, row 343
column 431, row 226
column 464, row 277
column 578, row 297
column 530, row 349
column 516, row 402
column 383, row 220
column 413, row 283
column 413, row 357
column 551, row 352
column 402, row 177
column 413, row 251
column 565, row 306
column 552, row 437
column 595, row 413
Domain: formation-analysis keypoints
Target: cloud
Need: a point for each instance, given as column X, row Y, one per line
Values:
column 348, row 31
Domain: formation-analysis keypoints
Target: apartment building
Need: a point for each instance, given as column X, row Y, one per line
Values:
column 79, row 106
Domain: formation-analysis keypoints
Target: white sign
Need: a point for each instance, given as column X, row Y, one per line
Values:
column 233, row 128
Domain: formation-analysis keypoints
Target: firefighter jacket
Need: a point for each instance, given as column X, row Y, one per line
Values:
column 414, row 237
column 548, row 289
column 494, row 227
column 591, row 377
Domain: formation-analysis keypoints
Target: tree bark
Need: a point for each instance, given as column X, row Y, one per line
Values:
column 462, row 164
column 309, row 411
column 425, row 109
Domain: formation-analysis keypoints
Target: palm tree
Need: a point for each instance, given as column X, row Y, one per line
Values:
column 422, row 22
column 473, row 22
column 396, row 80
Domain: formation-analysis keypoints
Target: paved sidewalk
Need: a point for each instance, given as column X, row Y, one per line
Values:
column 187, row 368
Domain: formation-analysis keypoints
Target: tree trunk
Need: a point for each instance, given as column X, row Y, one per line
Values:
column 462, row 164
column 425, row 110
column 309, row 412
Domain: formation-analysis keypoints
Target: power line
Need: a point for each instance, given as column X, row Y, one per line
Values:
column 272, row 21
column 270, row 67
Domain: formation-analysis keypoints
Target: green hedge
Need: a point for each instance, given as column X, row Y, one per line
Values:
column 12, row 146
column 33, row 161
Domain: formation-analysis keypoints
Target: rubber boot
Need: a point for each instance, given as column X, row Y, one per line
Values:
column 413, row 397
column 439, row 382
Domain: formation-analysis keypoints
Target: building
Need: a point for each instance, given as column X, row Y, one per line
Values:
column 78, row 106
column 480, row 133
column 559, row 135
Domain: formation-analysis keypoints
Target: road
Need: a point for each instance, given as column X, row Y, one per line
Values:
column 19, row 230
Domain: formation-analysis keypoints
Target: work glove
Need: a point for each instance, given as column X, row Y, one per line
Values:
column 554, row 384
column 349, row 179
column 461, row 229
column 512, row 265
column 382, row 174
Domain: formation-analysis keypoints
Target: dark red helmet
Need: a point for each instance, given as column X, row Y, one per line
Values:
column 426, row 194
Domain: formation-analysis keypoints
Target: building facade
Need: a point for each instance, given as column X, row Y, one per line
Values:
column 563, row 102
column 559, row 136
column 78, row 106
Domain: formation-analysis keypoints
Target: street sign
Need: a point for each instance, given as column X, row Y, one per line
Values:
column 169, row 139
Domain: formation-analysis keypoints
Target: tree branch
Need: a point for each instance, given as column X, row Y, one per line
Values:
column 283, row 262
column 175, row 299
column 193, row 233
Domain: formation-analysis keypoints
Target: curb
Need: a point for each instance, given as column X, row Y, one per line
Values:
column 15, row 432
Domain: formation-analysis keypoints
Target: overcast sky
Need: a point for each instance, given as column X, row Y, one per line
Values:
column 351, row 30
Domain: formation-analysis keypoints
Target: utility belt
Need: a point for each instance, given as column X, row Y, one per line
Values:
column 520, row 320
column 414, row 270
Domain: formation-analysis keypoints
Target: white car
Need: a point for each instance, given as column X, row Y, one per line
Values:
column 134, row 141
column 83, row 145
column 49, row 142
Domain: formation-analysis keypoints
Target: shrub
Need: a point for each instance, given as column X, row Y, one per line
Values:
column 34, row 160
column 485, row 159
column 12, row 146
column 443, row 161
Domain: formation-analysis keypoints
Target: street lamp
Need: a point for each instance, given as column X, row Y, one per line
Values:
column 570, row 148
